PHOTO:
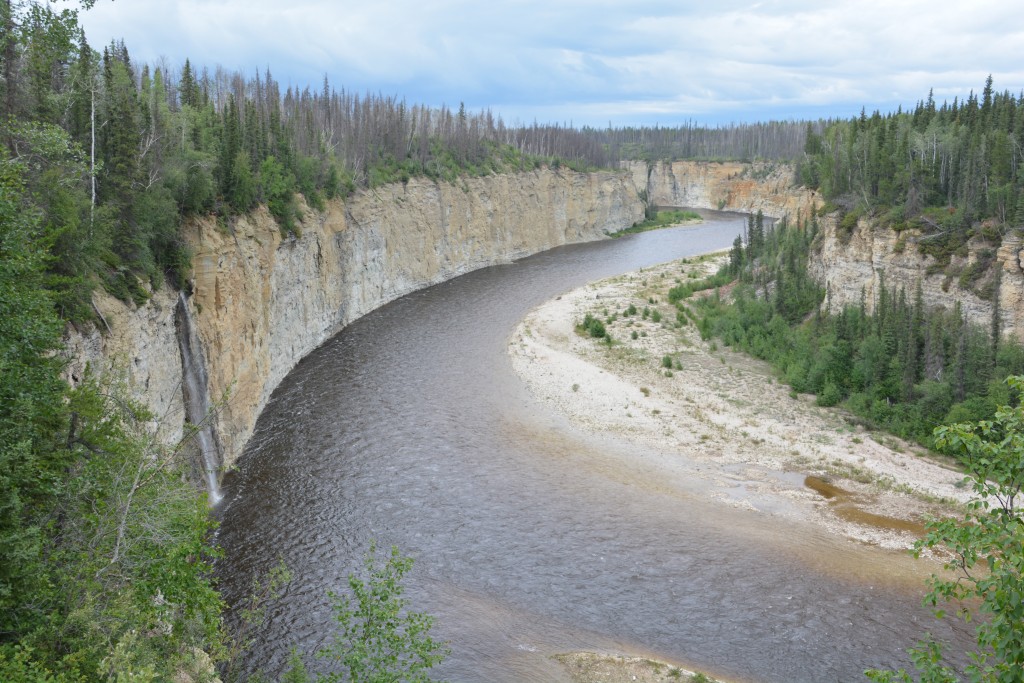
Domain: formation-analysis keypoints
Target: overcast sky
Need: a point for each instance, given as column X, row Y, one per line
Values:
column 596, row 61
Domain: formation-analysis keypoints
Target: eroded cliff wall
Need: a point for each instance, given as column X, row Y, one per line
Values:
column 726, row 186
column 854, row 264
column 261, row 302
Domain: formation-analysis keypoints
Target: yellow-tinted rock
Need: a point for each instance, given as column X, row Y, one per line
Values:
column 261, row 302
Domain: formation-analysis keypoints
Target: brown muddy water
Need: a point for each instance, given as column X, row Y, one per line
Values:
column 529, row 537
column 850, row 506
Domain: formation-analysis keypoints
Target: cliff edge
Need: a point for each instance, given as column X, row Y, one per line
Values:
column 261, row 301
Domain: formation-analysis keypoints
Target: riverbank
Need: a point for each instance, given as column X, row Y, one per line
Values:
column 723, row 415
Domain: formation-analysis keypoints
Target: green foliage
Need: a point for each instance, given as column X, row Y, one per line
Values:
column 17, row 665
column 379, row 640
column 296, row 671
column 686, row 290
column 189, row 178
column 847, row 224
column 659, row 219
column 947, row 169
column 906, row 368
column 593, row 326
column 986, row 551
column 829, row 396
column 277, row 189
column 146, row 528
column 30, row 399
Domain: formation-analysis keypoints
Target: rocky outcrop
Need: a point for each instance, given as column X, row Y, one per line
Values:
column 854, row 265
column 261, row 301
column 726, row 186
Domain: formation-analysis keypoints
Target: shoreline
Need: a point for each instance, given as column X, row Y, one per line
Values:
column 756, row 445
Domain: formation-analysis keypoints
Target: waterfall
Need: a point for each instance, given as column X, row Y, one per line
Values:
column 197, row 401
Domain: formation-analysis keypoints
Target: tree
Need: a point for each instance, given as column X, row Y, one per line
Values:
column 986, row 550
column 30, row 397
column 736, row 257
column 380, row 641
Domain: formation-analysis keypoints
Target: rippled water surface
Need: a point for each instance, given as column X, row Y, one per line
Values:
column 530, row 538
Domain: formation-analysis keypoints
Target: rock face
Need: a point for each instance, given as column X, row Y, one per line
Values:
column 726, row 186
column 854, row 265
column 261, row 302
column 141, row 345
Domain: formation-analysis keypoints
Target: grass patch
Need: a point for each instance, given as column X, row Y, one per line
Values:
column 662, row 219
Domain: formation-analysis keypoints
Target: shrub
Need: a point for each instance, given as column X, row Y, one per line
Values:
column 593, row 326
column 829, row 396
column 379, row 639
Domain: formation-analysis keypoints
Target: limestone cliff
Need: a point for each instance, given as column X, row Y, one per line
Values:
column 853, row 264
column 261, row 302
column 726, row 186
column 848, row 265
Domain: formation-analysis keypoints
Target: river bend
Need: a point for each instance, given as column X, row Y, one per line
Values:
column 531, row 538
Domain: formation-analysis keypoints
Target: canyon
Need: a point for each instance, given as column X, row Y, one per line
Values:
column 260, row 301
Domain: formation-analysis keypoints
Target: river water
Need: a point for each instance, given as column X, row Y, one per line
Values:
column 530, row 538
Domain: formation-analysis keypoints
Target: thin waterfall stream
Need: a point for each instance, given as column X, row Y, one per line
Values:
column 197, row 400
column 531, row 537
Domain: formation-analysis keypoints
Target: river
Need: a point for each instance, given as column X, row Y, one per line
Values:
column 530, row 538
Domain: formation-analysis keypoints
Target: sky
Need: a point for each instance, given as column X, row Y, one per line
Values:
column 596, row 62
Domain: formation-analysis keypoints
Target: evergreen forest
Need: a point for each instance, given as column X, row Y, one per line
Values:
column 906, row 367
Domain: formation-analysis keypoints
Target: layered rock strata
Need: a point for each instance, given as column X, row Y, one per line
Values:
column 261, row 301
column 852, row 266
column 726, row 186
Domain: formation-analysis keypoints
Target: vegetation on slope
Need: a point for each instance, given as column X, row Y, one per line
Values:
column 106, row 566
column 952, row 171
column 115, row 154
column 907, row 367
column 660, row 219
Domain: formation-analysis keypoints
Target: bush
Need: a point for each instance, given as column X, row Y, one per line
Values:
column 277, row 187
column 379, row 639
column 983, row 550
column 848, row 223
column 829, row 396
column 593, row 326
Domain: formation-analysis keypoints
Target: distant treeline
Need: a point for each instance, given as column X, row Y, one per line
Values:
column 776, row 140
column 953, row 169
column 117, row 153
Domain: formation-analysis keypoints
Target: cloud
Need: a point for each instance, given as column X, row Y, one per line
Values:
column 607, row 59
